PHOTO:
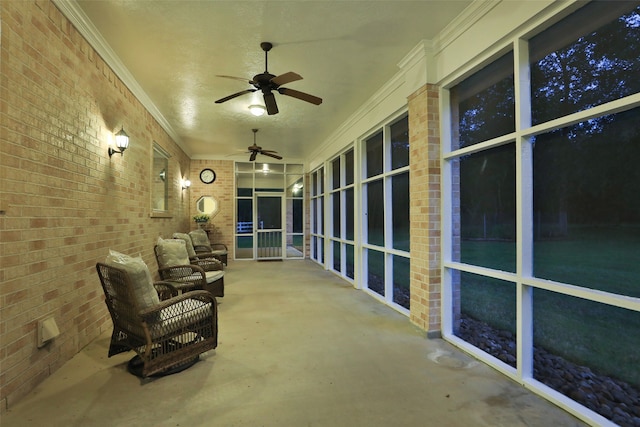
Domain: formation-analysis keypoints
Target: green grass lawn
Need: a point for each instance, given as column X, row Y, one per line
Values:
column 604, row 338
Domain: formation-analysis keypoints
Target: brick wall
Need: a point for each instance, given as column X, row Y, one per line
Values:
column 63, row 201
column 222, row 226
column 424, row 173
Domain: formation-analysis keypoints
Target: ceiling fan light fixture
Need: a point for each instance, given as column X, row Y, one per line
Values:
column 269, row 84
column 257, row 110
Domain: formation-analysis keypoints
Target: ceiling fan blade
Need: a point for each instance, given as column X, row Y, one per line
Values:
column 226, row 98
column 253, row 156
column 270, row 103
column 285, row 78
column 300, row 95
column 242, row 79
column 275, row 156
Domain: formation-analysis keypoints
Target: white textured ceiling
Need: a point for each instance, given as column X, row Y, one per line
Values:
column 344, row 50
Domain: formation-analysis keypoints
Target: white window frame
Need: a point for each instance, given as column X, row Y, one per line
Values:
column 523, row 278
column 386, row 176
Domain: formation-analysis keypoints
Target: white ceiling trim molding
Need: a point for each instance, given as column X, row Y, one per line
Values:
column 422, row 52
column 79, row 19
column 338, row 136
column 461, row 23
column 423, row 49
column 412, row 74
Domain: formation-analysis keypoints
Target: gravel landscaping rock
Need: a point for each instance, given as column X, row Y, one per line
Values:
column 613, row 399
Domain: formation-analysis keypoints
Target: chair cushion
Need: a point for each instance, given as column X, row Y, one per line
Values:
column 140, row 276
column 187, row 242
column 180, row 316
column 212, row 276
column 200, row 238
column 172, row 252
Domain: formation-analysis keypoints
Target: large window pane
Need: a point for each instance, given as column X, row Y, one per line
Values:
column 244, row 167
column 375, row 271
column 487, row 315
column 244, row 184
column 314, row 184
column 313, row 250
column 375, row 213
column 337, row 264
column 270, row 181
column 488, row 208
column 293, row 168
column 297, row 219
column 400, row 211
column 317, row 249
column 483, row 105
column 349, row 214
column 245, row 216
column 244, row 247
column 295, row 188
column 374, row 155
column 587, row 204
column 587, row 59
column 349, row 261
column 401, row 279
column 588, row 351
column 314, row 211
column 321, row 216
column 270, row 213
column 581, row 233
column 348, row 167
column 400, row 143
column 295, row 246
column 335, row 197
column 335, row 168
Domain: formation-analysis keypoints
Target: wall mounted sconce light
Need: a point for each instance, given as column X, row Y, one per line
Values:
column 257, row 110
column 186, row 184
column 122, row 142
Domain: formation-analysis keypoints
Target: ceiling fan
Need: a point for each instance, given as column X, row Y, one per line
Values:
column 255, row 149
column 268, row 83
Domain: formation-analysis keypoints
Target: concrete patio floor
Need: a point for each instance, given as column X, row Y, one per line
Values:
column 298, row 346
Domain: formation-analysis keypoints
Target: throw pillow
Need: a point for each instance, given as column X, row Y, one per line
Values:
column 200, row 238
column 172, row 252
column 140, row 277
column 187, row 242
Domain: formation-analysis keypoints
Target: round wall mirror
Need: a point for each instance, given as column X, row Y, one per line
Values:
column 208, row 205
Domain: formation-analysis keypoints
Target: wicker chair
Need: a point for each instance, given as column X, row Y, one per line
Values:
column 199, row 257
column 175, row 266
column 202, row 244
column 166, row 336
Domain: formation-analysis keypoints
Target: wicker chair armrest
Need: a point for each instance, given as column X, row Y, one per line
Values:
column 166, row 290
column 204, row 296
column 201, row 248
column 180, row 272
column 200, row 255
column 208, row 263
column 220, row 246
